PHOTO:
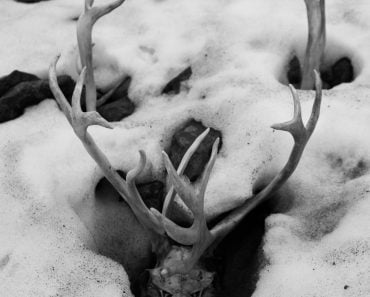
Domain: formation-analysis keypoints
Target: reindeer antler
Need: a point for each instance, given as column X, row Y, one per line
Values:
column 301, row 135
column 85, row 25
column 316, row 41
column 198, row 235
column 182, row 166
column 80, row 121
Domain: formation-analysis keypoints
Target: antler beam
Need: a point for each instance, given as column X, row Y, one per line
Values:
column 85, row 25
column 198, row 235
column 316, row 41
column 80, row 121
column 182, row 166
column 301, row 135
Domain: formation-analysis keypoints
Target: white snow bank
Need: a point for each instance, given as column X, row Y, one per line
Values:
column 336, row 264
column 237, row 50
column 45, row 248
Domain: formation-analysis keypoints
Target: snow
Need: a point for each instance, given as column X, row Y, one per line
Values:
column 237, row 50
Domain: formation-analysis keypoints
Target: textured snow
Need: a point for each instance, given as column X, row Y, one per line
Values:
column 237, row 50
column 45, row 248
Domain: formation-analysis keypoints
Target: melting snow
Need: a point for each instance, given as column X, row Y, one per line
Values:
column 237, row 50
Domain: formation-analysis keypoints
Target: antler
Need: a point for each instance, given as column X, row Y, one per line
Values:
column 80, row 121
column 301, row 134
column 198, row 235
column 316, row 41
column 182, row 166
column 85, row 24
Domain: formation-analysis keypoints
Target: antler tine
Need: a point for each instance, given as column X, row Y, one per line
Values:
column 301, row 135
column 85, row 25
column 88, row 4
column 57, row 92
column 182, row 166
column 76, row 96
column 311, row 124
column 198, row 234
column 142, row 213
column 294, row 126
column 80, row 121
column 134, row 173
column 208, row 169
column 193, row 198
column 205, row 237
column 188, row 194
column 103, row 10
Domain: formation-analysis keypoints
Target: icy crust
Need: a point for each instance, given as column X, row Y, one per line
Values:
column 237, row 50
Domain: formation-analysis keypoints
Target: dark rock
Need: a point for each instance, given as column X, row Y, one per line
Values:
column 121, row 91
column 67, row 85
column 117, row 110
column 173, row 87
column 182, row 140
column 152, row 194
column 326, row 77
column 19, row 90
column 294, row 73
column 119, row 105
column 29, row 93
column 342, row 71
column 9, row 81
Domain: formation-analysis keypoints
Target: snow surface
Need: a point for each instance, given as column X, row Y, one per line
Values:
column 237, row 50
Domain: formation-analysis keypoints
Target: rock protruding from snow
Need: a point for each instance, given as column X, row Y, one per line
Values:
column 174, row 85
column 15, row 77
column 183, row 139
column 23, row 90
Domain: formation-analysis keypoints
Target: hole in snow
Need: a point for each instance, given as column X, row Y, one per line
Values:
column 117, row 233
column 340, row 65
column 115, row 230
column 241, row 254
